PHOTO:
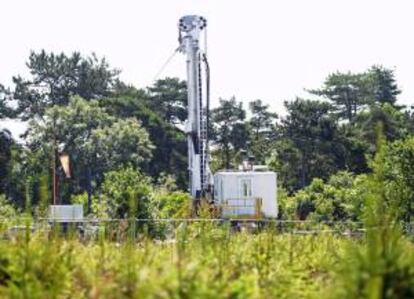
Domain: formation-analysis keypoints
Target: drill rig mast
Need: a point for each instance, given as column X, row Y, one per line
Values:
column 196, row 127
column 238, row 193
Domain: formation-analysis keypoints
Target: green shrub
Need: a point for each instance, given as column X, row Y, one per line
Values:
column 175, row 204
column 7, row 210
column 384, row 266
column 126, row 193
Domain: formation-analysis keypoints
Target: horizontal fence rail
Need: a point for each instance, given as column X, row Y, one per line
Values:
column 121, row 229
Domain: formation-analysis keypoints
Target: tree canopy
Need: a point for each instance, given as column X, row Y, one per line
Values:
column 229, row 130
column 95, row 141
column 352, row 92
column 116, row 134
column 56, row 77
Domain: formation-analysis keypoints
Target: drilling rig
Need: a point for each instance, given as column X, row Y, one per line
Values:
column 247, row 192
column 196, row 128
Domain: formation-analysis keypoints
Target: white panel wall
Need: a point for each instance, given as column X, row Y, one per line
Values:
column 264, row 185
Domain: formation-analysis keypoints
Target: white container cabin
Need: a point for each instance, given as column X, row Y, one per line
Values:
column 66, row 213
column 246, row 194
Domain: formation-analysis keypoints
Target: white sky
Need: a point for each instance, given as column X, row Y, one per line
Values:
column 270, row 50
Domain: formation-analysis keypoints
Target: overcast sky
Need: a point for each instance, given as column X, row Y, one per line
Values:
column 270, row 50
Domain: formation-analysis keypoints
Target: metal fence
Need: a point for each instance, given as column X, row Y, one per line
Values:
column 119, row 230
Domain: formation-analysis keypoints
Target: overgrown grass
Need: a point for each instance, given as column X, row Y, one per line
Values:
column 205, row 260
column 202, row 261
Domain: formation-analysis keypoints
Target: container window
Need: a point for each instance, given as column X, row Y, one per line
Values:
column 246, row 187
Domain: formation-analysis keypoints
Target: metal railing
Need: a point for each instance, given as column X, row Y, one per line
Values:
column 249, row 207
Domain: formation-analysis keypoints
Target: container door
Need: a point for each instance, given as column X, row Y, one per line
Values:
column 245, row 187
column 246, row 201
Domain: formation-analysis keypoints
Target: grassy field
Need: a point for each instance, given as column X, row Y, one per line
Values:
column 205, row 260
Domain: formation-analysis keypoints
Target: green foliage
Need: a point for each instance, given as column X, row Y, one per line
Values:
column 126, row 193
column 202, row 262
column 350, row 93
column 170, row 153
column 285, row 160
column 262, row 130
column 168, row 98
column 383, row 85
column 171, row 204
column 82, row 199
column 383, row 268
column 5, row 110
column 339, row 199
column 6, row 147
column 7, row 210
column 321, row 150
column 229, row 132
column 393, row 122
column 399, row 175
column 207, row 261
column 354, row 148
column 316, row 141
column 124, row 142
column 44, row 196
column 286, row 204
column 56, row 77
column 308, row 139
column 95, row 141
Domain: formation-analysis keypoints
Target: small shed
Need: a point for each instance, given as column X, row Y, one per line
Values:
column 247, row 194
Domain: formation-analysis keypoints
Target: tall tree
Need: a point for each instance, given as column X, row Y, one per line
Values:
column 352, row 92
column 6, row 144
column 95, row 141
column 170, row 153
column 168, row 97
column 348, row 92
column 394, row 122
column 399, row 167
column 230, row 132
column 384, row 86
column 55, row 77
column 5, row 110
column 312, row 131
column 262, row 129
column 351, row 148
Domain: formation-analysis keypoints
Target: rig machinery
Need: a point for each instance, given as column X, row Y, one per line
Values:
column 247, row 192
column 196, row 128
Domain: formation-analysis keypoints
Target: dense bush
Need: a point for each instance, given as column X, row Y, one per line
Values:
column 383, row 267
column 340, row 198
column 7, row 210
column 175, row 204
column 126, row 193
